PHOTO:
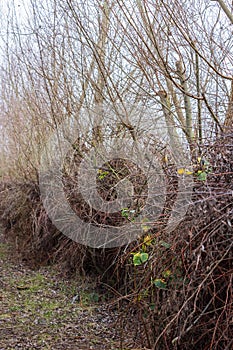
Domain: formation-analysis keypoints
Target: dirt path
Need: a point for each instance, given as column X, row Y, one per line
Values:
column 40, row 310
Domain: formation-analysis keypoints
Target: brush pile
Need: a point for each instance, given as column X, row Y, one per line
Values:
column 181, row 295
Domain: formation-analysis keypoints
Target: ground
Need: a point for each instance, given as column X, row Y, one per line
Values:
column 40, row 309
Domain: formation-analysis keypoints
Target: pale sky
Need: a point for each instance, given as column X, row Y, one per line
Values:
column 17, row 9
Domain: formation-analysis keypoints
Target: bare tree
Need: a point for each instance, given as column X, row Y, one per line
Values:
column 67, row 55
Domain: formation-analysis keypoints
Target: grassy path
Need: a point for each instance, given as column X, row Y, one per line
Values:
column 41, row 310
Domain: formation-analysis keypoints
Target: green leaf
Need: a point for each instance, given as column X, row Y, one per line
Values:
column 165, row 244
column 167, row 273
column 125, row 212
column 102, row 174
column 144, row 257
column 160, row 283
column 202, row 176
column 94, row 297
column 137, row 259
column 152, row 307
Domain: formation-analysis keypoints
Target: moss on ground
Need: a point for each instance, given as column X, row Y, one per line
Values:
column 42, row 310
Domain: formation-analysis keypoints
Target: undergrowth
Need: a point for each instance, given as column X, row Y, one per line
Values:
column 178, row 285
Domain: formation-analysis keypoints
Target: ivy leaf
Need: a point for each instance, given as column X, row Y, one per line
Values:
column 139, row 258
column 202, row 175
column 152, row 307
column 165, row 244
column 147, row 240
column 125, row 213
column 144, row 257
column 94, row 297
column 160, row 283
column 167, row 273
